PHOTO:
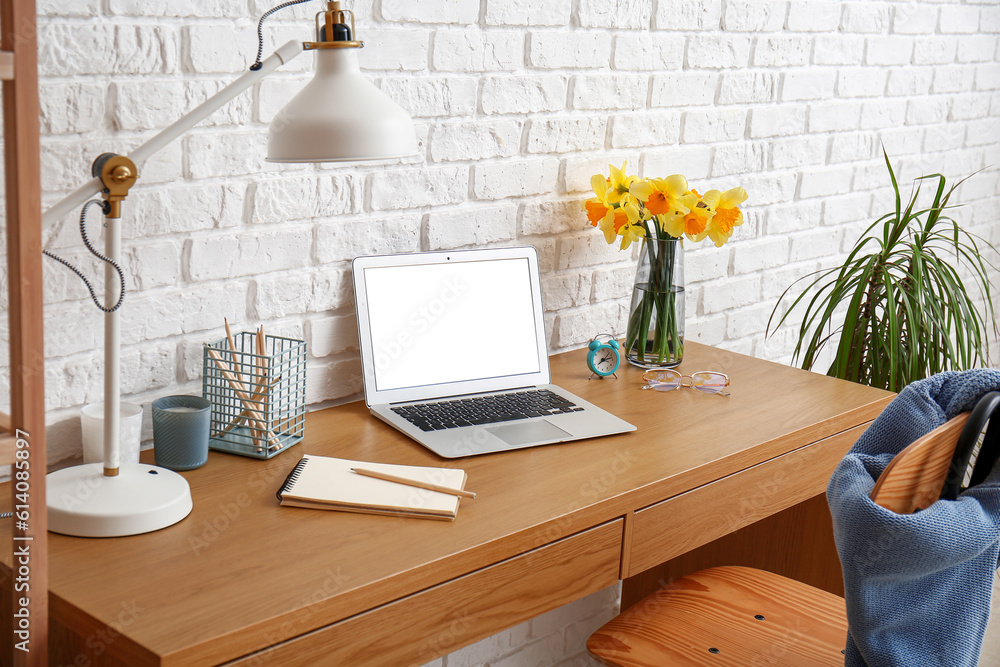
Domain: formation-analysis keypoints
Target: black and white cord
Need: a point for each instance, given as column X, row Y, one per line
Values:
column 86, row 241
column 260, row 34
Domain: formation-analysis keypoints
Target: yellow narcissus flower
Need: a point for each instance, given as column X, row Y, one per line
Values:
column 631, row 233
column 595, row 211
column 595, row 206
column 727, row 215
column 660, row 194
column 618, row 185
column 624, row 205
column 617, row 219
column 697, row 219
column 674, row 223
column 663, row 199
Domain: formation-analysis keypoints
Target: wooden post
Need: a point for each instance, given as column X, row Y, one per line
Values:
column 27, row 354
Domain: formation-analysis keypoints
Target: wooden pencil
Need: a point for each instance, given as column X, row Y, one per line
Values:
column 232, row 349
column 242, row 384
column 413, row 482
column 264, row 386
column 246, row 399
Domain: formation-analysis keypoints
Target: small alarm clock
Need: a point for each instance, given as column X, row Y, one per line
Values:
column 604, row 356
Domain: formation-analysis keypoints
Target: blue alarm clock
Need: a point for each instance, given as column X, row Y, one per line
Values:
column 604, row 356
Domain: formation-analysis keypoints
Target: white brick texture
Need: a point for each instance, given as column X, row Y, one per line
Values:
column 517, row 104
column 562, row 50
column 477, row 51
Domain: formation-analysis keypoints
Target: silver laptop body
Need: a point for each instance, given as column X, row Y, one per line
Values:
column 450, row 325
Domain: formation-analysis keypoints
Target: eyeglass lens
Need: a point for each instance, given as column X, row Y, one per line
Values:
column 708, row 382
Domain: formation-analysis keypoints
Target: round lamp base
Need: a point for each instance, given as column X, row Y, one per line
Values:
column 140, row 499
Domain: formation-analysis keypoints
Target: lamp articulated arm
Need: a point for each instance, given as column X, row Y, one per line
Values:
column 116, row 181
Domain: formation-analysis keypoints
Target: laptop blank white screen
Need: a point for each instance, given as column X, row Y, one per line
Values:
column 450, row 322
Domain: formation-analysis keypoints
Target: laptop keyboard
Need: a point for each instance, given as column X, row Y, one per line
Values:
column 485, row 409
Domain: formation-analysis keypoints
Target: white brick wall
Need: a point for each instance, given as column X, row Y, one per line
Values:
column 517, row 103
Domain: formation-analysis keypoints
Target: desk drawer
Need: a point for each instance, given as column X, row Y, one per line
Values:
column 441, row 619
column 666, row 530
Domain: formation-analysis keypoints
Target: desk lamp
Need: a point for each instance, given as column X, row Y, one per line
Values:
column 338, row 116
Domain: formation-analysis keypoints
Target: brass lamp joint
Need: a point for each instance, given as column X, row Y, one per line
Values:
column 117, row 173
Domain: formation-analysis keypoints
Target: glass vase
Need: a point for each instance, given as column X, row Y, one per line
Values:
column 655, row 335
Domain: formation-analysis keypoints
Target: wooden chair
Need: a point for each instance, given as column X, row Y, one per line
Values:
column 742, row 616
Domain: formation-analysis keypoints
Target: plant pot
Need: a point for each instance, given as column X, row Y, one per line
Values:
column 655, row 335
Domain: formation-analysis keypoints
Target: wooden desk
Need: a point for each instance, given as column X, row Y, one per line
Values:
column 245, row 580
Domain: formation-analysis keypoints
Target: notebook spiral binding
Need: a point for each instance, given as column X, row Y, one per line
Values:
column 292, row 476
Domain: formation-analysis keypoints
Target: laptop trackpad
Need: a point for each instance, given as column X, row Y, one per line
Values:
column 528, row 432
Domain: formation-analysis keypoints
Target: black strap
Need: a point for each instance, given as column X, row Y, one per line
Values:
column 988, row 453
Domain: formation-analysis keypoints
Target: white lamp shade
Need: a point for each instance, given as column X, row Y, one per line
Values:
column 340, row 116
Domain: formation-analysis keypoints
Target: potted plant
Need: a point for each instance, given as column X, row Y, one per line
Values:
column 900, row 299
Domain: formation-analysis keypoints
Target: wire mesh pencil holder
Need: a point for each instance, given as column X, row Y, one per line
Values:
column 258, row 400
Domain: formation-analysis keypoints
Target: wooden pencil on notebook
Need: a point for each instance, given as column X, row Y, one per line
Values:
column 413, row 482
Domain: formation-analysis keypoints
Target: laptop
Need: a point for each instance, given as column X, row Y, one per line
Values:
column 453, row 353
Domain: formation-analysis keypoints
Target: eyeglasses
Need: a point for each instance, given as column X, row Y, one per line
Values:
column 708, row 382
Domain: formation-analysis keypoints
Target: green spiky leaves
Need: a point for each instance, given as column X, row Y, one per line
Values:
column 903, row 309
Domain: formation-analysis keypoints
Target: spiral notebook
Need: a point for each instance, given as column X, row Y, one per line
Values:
column 326, row 483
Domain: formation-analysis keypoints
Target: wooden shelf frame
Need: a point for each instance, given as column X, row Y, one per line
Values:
column 21, row 129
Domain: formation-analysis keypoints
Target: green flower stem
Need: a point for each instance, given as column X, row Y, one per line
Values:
column 658, row 300
column 666, row 329
column 638, row 324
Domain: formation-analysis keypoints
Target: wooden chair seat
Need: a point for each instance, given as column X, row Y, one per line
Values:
column 731, row 615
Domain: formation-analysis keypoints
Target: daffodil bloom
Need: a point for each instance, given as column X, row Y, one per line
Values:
column 600, row 186
column 631, row 233
column 660, row 195
column 596, row 207
column 596, row 210
column 618, row 185
column 674, row 222
column 618, row 218
column 663, row 198
column 727, row 215
column 690, row 218
column 697, row 219
column 623, row 205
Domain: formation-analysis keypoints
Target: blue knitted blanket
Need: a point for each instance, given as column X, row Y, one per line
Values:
column 918, row 586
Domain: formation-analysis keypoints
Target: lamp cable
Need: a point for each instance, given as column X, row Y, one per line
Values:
column 106, row 208
column 260, row 34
